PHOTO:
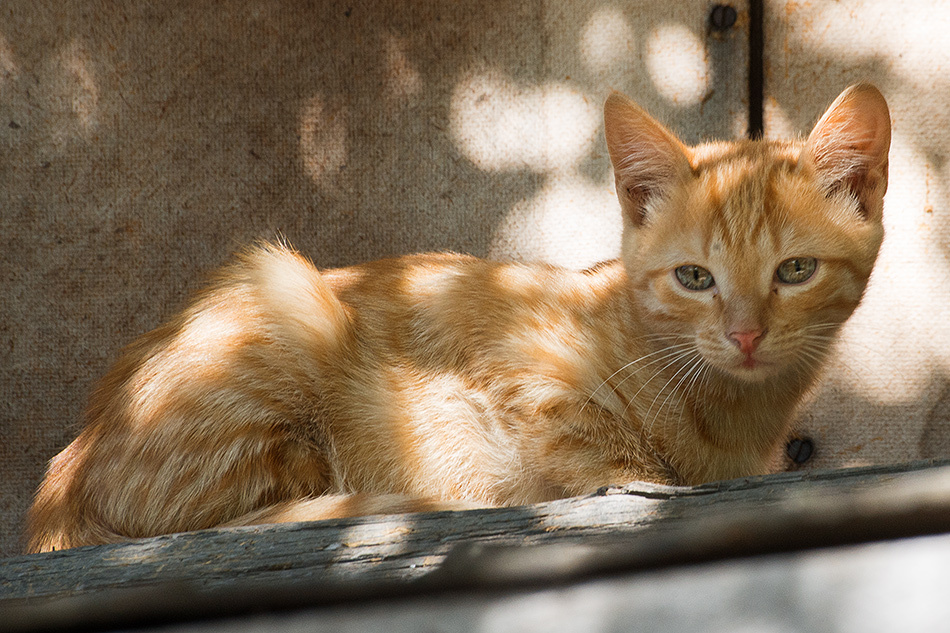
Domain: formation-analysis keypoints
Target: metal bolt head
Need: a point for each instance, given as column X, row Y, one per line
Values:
column 800, row 449
column 722, row 17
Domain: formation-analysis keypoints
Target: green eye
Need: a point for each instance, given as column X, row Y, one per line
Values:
column 695, row 277
column 796, row 270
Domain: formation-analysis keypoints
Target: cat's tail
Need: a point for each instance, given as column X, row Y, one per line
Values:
column 290, row 287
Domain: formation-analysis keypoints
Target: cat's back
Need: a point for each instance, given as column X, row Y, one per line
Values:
column 450, row 305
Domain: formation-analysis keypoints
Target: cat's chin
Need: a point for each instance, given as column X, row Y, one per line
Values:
column 752, row 373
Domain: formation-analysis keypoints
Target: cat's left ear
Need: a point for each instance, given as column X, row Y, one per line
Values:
column 849, row 145
column 647, row 158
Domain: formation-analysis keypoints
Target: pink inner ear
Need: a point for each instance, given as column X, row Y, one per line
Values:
column 646, row 157
column 854, row 134
column 849, row 145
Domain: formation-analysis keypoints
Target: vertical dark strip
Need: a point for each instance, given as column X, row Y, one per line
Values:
column 756, row 68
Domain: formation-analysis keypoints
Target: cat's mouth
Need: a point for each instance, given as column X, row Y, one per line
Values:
column 752, row 368
column 756, row 366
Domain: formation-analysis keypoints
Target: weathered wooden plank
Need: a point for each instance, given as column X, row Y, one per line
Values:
column 370, row 548
column 620, row 528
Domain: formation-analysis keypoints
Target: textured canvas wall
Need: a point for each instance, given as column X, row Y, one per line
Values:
column 141, row 144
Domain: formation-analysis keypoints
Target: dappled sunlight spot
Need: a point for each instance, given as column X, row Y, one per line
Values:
column 322, row 139
column 625, row 510
column 8, row 66
column 739, row 123
column 549, row 129
column 462, row 432
column 215, row 328
column 85, row 93
column 73, row 94
column 383, row 538
column 780, row 125
column 141, row 551
column 607, row 41
column 501, row 125
column 403, row 82
column 571, row 222
column 887, row 30
column 205, row 345
column 551, row 344
column 430, row 281
column 81, row 89
column 521, row 281
column 676, row 61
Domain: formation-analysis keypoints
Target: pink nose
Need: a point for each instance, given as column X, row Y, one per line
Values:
column 747, row 342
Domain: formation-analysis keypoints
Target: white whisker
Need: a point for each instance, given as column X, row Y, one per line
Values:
column 689, row 366
column 700, row 376
column 665, row 351
column 677, row 357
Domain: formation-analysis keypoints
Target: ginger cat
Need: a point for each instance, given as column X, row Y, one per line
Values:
column 285, row 393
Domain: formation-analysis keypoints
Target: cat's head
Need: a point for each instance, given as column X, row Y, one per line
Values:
column 755, row 251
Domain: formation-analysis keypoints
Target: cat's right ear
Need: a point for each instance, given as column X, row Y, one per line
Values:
column 647, row 158
column 848, row 147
